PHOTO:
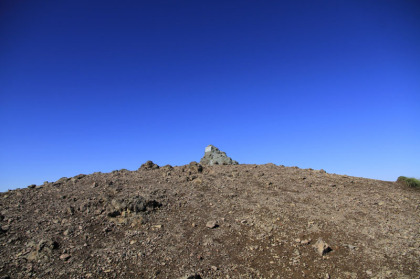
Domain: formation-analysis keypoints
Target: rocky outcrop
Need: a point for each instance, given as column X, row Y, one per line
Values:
column 149, row 165
column 213, row 156
column 135, row 204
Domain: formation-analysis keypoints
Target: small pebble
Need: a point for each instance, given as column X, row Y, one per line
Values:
column 65, row 257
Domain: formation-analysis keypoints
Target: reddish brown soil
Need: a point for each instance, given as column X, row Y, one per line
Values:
column 88, row 227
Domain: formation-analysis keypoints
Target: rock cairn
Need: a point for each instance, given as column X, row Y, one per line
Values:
column 213, row 156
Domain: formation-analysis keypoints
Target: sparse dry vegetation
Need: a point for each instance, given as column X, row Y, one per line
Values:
column 409, row 181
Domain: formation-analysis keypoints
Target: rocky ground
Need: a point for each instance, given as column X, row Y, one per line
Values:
column 221, row 221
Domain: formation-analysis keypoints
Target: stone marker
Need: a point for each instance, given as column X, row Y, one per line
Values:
column 213, row 156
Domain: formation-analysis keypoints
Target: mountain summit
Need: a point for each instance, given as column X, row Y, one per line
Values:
column 213, row 156
column 220, row 221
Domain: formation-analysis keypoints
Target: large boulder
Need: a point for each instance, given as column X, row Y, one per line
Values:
column 213, row 156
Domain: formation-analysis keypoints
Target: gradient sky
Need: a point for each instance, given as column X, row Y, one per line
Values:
column 91, row 86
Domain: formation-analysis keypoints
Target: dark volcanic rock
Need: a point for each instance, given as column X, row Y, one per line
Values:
column 149, row 165
column 213, row 156
column 41, row 250
column 195, row 167
column 135, row 204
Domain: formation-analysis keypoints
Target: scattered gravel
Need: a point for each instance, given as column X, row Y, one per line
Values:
column 220, row 221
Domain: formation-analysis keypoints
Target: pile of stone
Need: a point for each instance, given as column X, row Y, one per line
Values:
column 213, row 156
column 149, row 165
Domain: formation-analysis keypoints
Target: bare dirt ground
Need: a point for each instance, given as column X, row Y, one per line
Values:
column 241, row 221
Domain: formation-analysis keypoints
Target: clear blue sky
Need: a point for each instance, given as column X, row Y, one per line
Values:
column 91, row 86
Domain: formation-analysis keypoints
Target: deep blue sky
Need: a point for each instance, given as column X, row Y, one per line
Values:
column 91, row 86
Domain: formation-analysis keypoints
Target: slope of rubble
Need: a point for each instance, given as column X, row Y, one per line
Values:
column 220, row 221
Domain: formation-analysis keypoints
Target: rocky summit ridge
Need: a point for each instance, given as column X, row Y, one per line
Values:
column 211, row 221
